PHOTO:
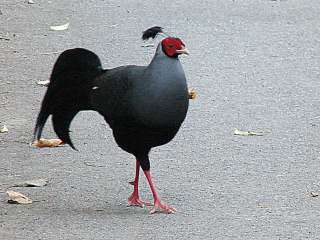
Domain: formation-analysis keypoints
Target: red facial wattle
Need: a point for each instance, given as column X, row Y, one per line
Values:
column 171, row 45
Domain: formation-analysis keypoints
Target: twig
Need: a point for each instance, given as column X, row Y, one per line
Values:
column 147, row 45
column 5, row 38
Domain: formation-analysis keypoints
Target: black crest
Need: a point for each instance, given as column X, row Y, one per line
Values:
column 151, row 32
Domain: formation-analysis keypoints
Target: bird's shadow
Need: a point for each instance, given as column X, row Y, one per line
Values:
column 106, row 209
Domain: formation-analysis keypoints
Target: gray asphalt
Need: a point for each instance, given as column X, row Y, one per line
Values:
column 255, row 65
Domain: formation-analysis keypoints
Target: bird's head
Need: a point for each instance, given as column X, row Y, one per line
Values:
column 171, row 46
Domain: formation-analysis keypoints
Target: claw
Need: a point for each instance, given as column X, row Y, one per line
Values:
column 159, row 207
column 134, row 200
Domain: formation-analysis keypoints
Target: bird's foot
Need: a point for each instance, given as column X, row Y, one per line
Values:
column 134, row 200
column 163, row 208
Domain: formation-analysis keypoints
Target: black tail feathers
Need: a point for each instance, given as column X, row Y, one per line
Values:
column 68, row 92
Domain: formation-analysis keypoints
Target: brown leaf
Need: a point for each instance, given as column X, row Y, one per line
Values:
column 18, row 198
column 42, row 142
column 192, row 94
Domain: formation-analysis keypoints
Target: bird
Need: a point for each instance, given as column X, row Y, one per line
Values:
column 143, row 105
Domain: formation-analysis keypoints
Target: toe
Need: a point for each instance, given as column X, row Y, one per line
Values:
column 136, row 204
column 162, row 208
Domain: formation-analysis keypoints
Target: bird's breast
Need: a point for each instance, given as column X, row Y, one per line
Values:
column 162, row 101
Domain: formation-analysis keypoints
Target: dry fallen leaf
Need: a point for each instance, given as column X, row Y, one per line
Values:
column 262, row 205
column 314, row 194
column 42, row 142
column 4, row 38
column 247, row 133
column 60, row 27
column 18, row 198
column 4, row 129
column 192, row 94
column 43, row 83
column 33, row 183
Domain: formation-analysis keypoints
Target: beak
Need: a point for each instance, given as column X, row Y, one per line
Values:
column 183, row 50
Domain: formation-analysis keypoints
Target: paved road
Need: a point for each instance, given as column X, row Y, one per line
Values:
column 255, row 65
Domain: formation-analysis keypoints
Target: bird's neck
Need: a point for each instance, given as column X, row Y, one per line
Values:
column 165, row 71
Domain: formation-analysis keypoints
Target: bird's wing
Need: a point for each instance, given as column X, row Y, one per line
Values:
column 111, row 92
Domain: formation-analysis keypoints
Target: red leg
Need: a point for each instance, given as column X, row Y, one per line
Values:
column 158, row 206
column 134, row 199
